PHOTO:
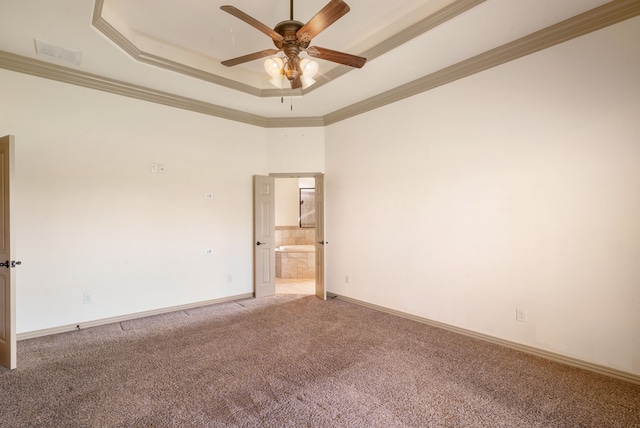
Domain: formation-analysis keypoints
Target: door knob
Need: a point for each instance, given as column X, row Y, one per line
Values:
column 10, row 264
column 323, row 242
column 261, row 243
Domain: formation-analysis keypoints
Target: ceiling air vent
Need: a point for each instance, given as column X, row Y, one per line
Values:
column 58, row 52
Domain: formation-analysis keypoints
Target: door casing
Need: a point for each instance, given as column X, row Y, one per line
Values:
column 320, row 287
column 8, row 353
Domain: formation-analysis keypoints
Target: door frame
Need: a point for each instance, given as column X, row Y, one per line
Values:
column 313, row 175
column 8, row 346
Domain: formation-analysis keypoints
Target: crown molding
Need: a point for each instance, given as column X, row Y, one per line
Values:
column 587, row 22
column 130, row 48
column 294, row 122
column 437, row 18
column 51, row 71
column 592, row 20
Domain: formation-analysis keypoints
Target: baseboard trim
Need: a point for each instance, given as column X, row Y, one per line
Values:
column 136, row 315
column 559, row 358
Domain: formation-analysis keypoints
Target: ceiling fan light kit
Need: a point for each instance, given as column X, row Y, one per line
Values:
column 275, row 68
column 309, row 71
column 292, row 38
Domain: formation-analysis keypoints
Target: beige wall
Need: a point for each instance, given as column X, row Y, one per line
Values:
column 287, row 202
column 288, row 199
column 91, row 217
column 295, row 149
column 518, row 187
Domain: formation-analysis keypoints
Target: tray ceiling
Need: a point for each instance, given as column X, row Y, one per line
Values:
column 170, row 52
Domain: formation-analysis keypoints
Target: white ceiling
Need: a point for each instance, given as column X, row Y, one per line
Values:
column 197, row 34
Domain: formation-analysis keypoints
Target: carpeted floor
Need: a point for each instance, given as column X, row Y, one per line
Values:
column 293, row 361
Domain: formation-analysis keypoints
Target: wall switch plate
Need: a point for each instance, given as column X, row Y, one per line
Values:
column 87, row 298
column 521, row 315
column 347, row 279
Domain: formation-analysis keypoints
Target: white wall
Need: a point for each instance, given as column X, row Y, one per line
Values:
column 295, row 150
column 91, row 217
column 287, row 202
column 518, row 187
column 288, row 199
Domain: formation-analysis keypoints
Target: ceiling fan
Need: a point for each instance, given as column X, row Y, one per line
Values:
column 293, row 37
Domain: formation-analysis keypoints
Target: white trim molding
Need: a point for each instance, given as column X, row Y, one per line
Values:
column 559, row 358
column 595, row 19
column 128, row 317
column 445, row 14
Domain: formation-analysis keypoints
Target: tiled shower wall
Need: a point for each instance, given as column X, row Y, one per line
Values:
column 294, row 235
column 295, row 265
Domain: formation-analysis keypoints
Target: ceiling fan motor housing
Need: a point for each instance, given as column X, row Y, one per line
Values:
column 288, row 30
column 293, row 37
column 291, row 45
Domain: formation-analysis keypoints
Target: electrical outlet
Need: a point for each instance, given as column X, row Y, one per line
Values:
column 208, row 195
column 347, row 279
column 157, row 168
column 87, row 298
column 208, row 251
column 521, row 315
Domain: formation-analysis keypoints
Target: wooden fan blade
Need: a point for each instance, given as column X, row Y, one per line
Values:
column 296, row 83
column 250, row 57
column 335, row 56
column 329, row 14
column 252, row 21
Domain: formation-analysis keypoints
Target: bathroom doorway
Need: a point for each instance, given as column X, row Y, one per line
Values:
column 295, row 235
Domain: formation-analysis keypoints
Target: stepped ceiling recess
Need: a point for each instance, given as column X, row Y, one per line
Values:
column 169, row 52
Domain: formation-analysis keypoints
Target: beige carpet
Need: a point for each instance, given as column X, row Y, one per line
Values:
column 294, row 361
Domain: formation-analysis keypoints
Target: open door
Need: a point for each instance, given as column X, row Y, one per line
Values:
column 7, row 280
column 264, row 240
column 321, row 292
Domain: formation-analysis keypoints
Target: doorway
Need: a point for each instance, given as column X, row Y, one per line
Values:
column 295, row 224
column 264, row 257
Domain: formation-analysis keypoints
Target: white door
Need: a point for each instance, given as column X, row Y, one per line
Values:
column 321, row 292
column 264, row 240
column 7, row 281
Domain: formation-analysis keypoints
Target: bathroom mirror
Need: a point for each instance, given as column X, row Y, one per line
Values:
column 307, row 207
